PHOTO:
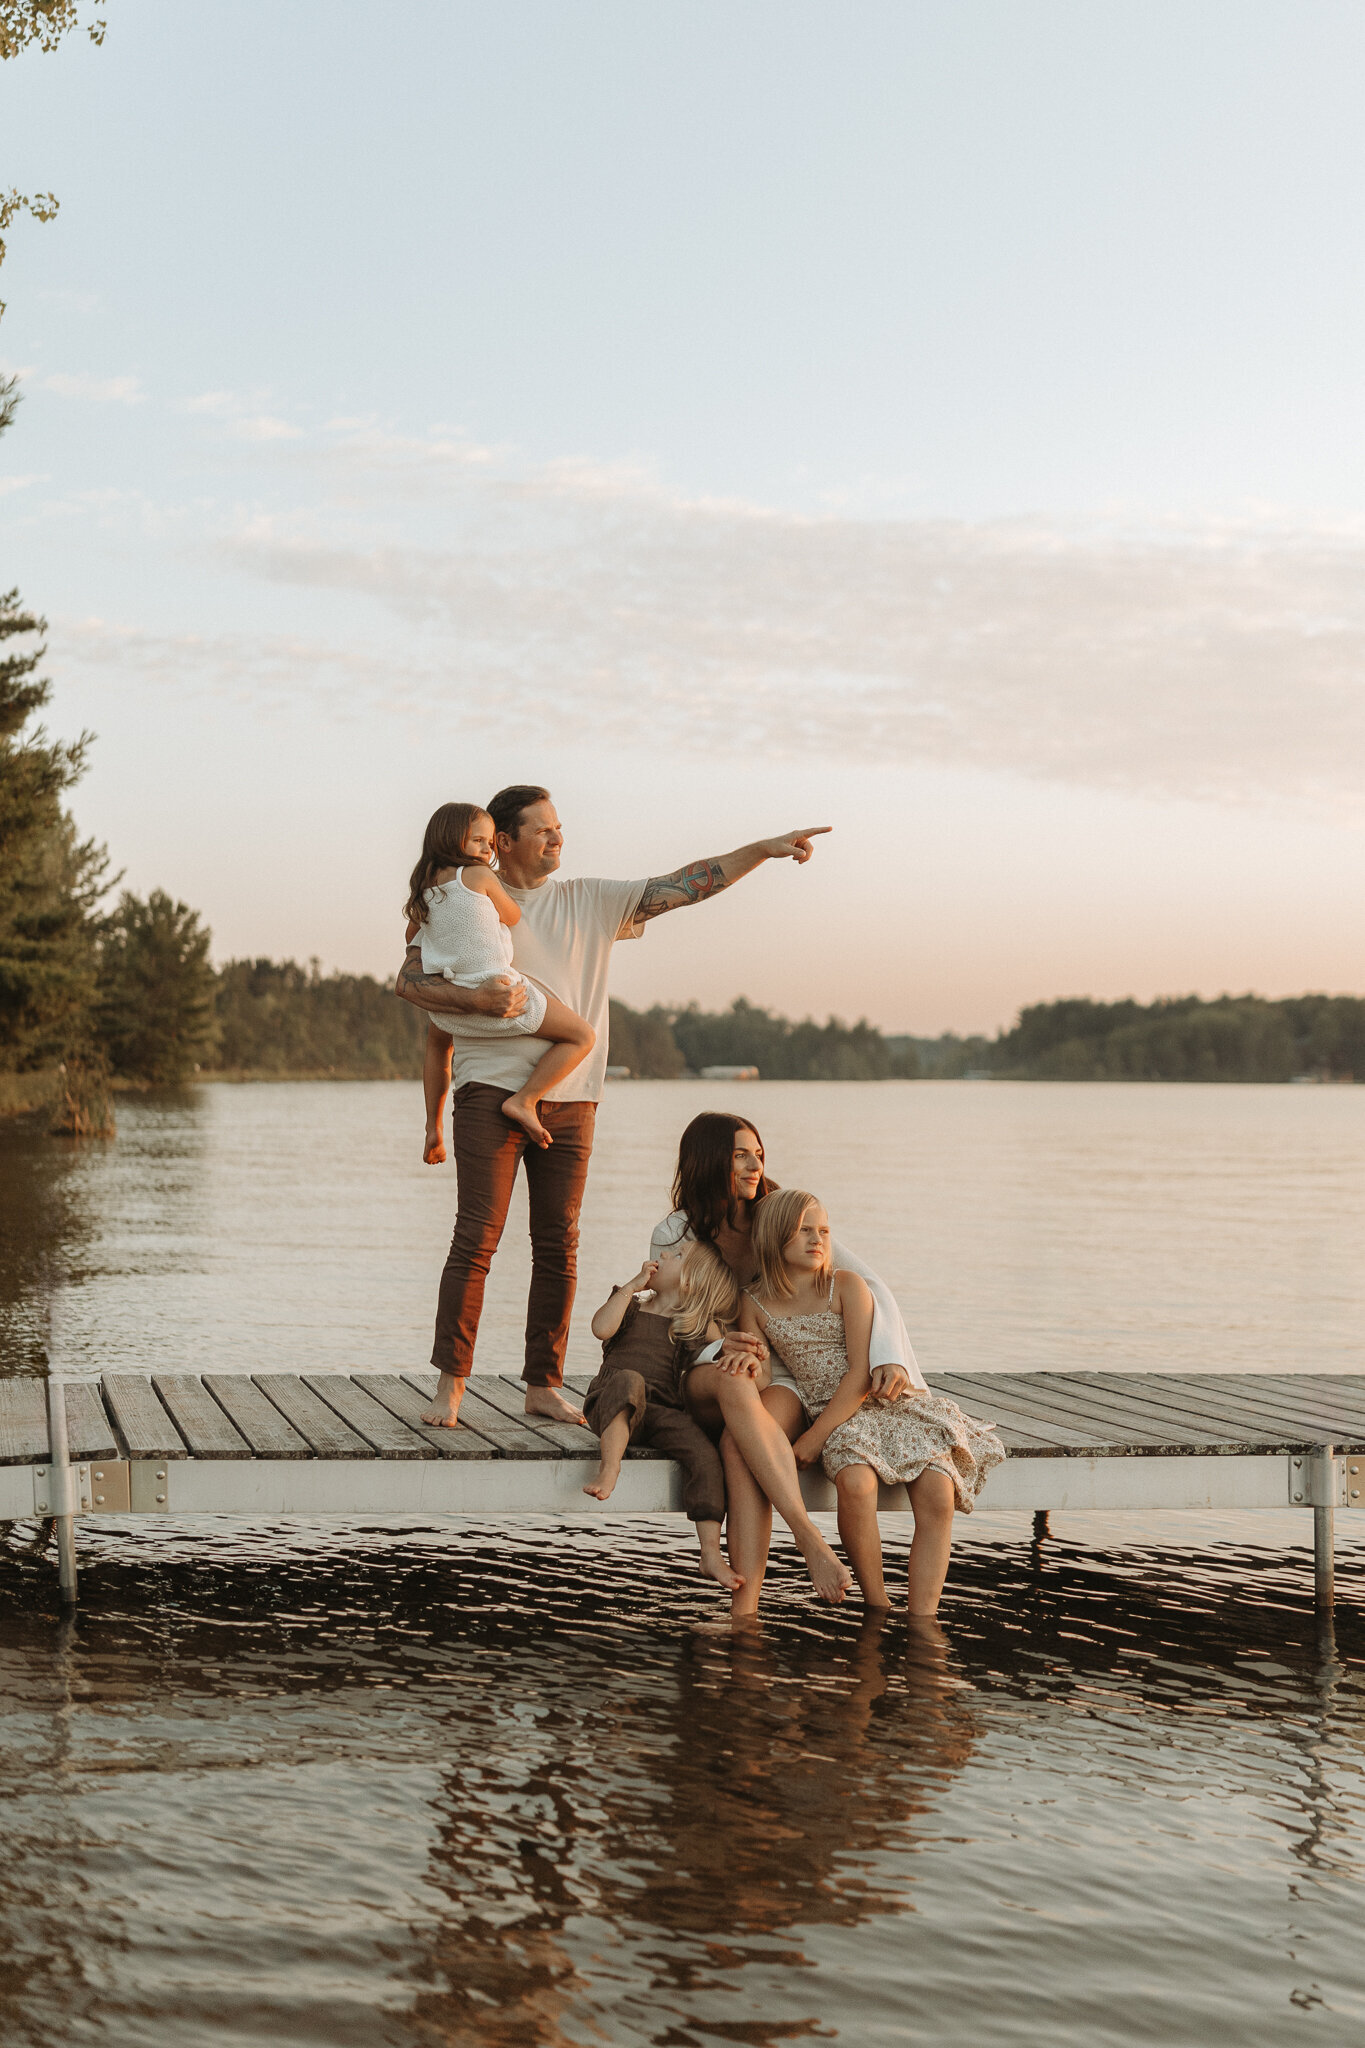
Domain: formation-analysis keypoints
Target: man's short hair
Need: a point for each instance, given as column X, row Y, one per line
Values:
column 510, row 805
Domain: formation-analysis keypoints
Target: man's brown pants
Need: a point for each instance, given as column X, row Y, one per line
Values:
column 489, row 1147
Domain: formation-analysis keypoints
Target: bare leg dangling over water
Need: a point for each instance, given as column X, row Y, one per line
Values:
column 764, row 1448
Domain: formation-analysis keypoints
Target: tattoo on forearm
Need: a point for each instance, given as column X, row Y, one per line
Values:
column 692, row 884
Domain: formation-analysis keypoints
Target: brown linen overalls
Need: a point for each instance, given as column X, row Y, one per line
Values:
column 641, row 1376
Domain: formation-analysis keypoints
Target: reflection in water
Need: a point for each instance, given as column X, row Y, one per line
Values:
column 468, row 1786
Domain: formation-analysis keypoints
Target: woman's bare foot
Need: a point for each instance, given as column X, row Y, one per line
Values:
column 713, row 1566
column 445, row 1409
column 830, row 1579
column 549, row 1401
column 434, row 1149
column 604, row 1479
column 524, row 1113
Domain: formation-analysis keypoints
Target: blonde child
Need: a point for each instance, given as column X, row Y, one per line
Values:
column 465, row 919
column 648, row 1347
column 818, row 1322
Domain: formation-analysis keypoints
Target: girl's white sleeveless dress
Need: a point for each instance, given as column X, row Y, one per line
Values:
column 898, row 1439
column 465, row 940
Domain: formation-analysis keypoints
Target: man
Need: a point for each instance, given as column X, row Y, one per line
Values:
column 564, row 941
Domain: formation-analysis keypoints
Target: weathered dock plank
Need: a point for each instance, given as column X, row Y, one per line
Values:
column 321, row 1427
column 404, row 1402
column 89, row 1431
column 259, row 1420
column 1275, row 1425
column 139, row 1418
column 23, row 1421
column 1145, row 1424
column 1123, row 1429
column 198, row 1417
column 980, row 1396
column 350, row 1399
column 516, row 1436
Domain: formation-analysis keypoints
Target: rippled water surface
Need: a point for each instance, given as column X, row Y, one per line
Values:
column 469, row 1783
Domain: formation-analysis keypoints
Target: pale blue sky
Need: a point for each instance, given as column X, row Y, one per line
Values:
column 941, row 420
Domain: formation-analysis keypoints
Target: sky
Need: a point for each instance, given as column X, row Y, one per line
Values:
column 938, row 420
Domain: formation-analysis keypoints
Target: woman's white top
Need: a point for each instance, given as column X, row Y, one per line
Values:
column 463, row 938
column 890, row 1340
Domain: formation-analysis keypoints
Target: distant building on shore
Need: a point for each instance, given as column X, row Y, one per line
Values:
column 618, row 1073
column 729, row 1073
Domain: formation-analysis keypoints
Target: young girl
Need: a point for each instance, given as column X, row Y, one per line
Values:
column 647, row 1349
column 465, row 918
column 818, row 1321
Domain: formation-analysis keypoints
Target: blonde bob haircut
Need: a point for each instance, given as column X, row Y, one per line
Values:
column 776, row 1222
column 710, row 1294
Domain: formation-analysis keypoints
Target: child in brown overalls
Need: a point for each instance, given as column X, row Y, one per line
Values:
column 648, row 1347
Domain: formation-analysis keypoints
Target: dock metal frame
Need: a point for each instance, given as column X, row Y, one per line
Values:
column 274, row 1445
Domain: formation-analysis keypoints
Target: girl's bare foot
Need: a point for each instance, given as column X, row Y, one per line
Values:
column 602, row 1482
column 445, row 1409
column 830, row 1579
column 713, row 1566
column 524, row 1113
column 434, row 1149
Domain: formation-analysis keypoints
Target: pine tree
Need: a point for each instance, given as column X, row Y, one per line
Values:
column 156, row 989
column 50, row 880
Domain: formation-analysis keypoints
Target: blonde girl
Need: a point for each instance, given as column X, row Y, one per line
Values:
column 818, row 1320
column 651, row 1329
column 465, row 919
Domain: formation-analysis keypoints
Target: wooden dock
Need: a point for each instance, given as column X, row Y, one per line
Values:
column 277, row 1444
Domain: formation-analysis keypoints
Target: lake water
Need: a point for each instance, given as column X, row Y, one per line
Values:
column 448, row 1783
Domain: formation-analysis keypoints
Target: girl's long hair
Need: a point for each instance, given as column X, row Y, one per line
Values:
column 442, row 847
column 775, row 1225
column 703, row 1186
column 710, row 1294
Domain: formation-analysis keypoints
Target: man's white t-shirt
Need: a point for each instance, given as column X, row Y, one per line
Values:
column 564, row 942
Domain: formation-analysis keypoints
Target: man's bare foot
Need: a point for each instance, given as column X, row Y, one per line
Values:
column 830, row 1579
column 524, row 1113
column 434, row 1149
column 714, row 1566
column 549, row 1401
column 603, row 1480
column 445, row 1409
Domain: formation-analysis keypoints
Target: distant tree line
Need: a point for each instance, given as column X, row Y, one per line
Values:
column 1181, row 1038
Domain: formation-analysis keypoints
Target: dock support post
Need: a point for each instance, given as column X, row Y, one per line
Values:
column 59, row 1454
column 1324, row 1582
column 1040, row 1524
column 1324, row 1533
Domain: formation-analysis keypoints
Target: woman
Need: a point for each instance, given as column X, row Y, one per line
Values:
column 719, row 1183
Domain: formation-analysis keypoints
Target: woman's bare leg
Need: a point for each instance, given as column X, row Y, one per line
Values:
column 435, row 1087
column 767, row 1452
column 749, row 1512
column 933, row 1499
column 574, row 1039
column 856, row 1486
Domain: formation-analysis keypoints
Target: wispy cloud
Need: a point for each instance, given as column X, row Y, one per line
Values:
column 1225, row 663
column 92, row 390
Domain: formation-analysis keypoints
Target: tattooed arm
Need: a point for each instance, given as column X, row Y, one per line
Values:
column 434, row 992
column 703, row 878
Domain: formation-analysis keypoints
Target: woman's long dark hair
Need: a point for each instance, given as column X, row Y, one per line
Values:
column 442, row 847
column 703, row 1186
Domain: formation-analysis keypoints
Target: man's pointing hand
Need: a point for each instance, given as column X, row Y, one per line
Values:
column 793, row 845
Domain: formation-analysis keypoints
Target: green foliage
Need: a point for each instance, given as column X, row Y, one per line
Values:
column 661, row 1043
column 275, row 1017
column 1235, row 1038
column 50, row 881
column 155, row 1008
column 643, row 1041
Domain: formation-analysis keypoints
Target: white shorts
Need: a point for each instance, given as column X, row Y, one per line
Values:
column 780, row 1377
column 476, row 1024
